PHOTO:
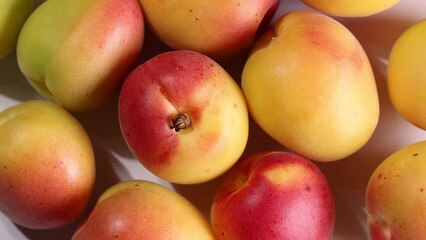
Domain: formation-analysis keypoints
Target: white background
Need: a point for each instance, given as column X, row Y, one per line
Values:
column 348, row 177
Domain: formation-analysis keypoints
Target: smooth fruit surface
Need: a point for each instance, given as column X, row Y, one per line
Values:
column 351, row 8
column 47, row 166
column 407, row 74
column 13, row 14
column 216, row 28
column 138, row 209
column 190, row 88
column 274, row 195
column 395, row 195
column 77, row 52
column 310, row 86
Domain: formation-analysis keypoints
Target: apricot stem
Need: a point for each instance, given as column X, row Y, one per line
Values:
column 180, row 121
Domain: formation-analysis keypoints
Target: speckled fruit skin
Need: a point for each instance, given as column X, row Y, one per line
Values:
column 47, row 165
column 219, row 29
column 274, row 195
column 309, row 84
column 178, row 82
column 138, row 209
column 395, row 195
column 77, row 52
column 351, row 8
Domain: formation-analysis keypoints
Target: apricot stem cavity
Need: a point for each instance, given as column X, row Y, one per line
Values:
column 180, row 121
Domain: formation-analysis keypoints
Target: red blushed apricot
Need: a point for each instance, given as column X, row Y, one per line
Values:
column 171, row 90
column 132, row 217
column 183, row 116
column 309, row 85
column 219, row 29
column 81, row 59
column 142, row 131
column 139, row 209
column 274, row 196
column 33, row 189
column 47, row 165
column 321, row 33
column 395, row 196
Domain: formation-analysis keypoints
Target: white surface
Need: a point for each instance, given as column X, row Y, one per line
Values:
column 347, row 177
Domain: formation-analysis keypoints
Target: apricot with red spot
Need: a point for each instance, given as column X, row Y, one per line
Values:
column 395, row 196
column 138, row 209
column 47, row 165
column 183, row 117
column 219, row 29
column 309, row 85
column 77, row 53
column 274, row 195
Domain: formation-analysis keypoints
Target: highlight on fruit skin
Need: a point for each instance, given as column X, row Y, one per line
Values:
column 142, row 209
column 47, row 173
column 309, row 85
column 220, row 29
column 273, row 195
column 351, row 8
column 407, row 74
column 183, row 117
column 78, row 56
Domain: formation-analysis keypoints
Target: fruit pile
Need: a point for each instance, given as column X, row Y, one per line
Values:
column 252, row 104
